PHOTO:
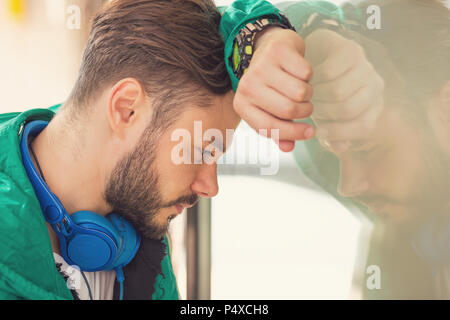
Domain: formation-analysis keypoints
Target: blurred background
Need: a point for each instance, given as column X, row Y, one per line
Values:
column 262, row 237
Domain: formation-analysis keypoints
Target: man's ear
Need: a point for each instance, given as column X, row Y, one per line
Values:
column 125, row 100
column 439, row 116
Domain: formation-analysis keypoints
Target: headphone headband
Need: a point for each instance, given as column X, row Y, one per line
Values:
column 52, row 208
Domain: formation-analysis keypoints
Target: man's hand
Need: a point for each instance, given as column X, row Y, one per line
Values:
column 274, row 90
column 348, row 92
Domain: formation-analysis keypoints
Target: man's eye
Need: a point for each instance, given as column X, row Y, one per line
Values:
column 198, row 155
column 205, row 154
column 208, row 154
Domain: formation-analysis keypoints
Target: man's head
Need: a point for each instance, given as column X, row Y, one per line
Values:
column 151, row 67
column 402, row 172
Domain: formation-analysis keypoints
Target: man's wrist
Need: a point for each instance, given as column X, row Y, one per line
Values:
column 244, row 44
column 263, row 35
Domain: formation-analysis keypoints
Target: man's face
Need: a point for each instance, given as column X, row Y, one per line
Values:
column 398, row 174
column 149, row 187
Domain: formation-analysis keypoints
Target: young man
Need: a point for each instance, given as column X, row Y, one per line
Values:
column 381, row 101
column 149, row 68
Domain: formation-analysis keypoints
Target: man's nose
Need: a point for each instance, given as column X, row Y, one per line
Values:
column 205, row 185
column 352, row 180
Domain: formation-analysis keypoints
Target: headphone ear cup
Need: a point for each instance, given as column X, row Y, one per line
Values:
column 95, row 244
column 130, row 240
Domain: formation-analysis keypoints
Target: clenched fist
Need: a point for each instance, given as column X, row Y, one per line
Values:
column 274, row 90
column 348, row 92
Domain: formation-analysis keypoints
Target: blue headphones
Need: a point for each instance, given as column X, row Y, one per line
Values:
column 88, row 240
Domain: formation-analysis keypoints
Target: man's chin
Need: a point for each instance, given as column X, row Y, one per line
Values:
column 157, row 227
column 388, row 213
column 152, row 234
column 152, row 231
column 398, row 215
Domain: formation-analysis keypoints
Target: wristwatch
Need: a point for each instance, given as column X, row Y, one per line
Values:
column 244, row 42
column 318, row 21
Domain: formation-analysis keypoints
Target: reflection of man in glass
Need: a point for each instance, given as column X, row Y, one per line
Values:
column 387, row 121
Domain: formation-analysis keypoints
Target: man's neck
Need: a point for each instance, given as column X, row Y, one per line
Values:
column 73, row 178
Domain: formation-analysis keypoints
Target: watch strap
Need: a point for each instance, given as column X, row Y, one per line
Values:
column 243, row 46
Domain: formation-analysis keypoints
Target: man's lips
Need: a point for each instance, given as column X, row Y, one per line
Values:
column 374, row 202
column 376, row 207
column 379, row 207
column 181, row 207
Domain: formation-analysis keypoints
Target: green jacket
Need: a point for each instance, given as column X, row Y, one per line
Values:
column 27, row 267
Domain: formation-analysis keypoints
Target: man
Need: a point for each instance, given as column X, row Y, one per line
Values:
column 149, row 68
column 381, row 112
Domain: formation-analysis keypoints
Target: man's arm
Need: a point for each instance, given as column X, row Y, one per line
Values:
column 274, row 90
column 306, row 17
column 317, row 22
column 234, row 18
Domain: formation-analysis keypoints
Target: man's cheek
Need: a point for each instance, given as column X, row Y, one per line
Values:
column 403, row 174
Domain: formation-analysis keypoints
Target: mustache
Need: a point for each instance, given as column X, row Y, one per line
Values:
column 189, row 200
column 374, row 199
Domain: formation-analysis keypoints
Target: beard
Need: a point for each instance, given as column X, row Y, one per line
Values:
column 427, row 198
column 133, row 189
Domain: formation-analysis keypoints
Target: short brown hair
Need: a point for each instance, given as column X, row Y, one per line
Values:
column 173, row 47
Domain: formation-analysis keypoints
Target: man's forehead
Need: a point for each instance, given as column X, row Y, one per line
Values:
column 219, row 133
column 220, row 115
column 214, row 124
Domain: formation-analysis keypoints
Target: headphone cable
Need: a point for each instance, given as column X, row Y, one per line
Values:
column 120, row 278
column 87, row 284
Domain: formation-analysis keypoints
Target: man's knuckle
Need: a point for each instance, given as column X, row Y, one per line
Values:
column 380, row 83
column 237, row 103
column 348, row 110
column 307, row 72
column 301, row 93
column 258, row 70
column 354, row 47
column 245, row 86
column 290, row 111
column 337, row 93
column 276, row 49
column 308, row 109
column 267, row 125
column 311, row 92
column 327, row 75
